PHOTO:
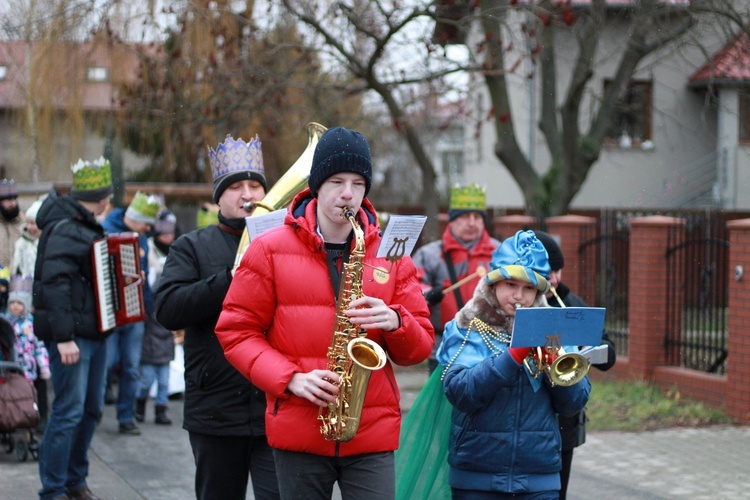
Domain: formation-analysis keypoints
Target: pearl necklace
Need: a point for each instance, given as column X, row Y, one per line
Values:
column 487, row 333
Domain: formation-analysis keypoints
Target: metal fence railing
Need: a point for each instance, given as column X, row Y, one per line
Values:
column 697, row 260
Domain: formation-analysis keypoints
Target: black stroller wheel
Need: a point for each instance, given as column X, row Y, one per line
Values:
column 22, row 450
column 34, row 448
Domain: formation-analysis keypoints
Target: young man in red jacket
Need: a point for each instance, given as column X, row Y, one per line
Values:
column 280, row 314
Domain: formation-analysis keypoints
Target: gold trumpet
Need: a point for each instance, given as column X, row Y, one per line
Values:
column 562, row 368
column 286, row 188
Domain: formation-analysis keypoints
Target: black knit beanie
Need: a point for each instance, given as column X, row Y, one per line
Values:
column 556, row 259
column 223, row 182
column 340, row 150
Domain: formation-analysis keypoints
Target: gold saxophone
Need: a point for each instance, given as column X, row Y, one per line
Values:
column 351, row 356
column 286, row 188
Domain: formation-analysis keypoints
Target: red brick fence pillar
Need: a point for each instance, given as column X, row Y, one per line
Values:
column 570, row 232
column 647, row 293
column 738, row 360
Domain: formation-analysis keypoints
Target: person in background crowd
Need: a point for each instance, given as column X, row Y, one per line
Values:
column 460, row 256
column 11, row 221
column 504, row 438
column 24, row 260
column 279, row 316
column 24, row 255
column 65, row 318
column 124, row 345
column 572, row 428
column 223, row 410
column 207, row 215
column 4, row 286
column 158, row 342
column 30, row 351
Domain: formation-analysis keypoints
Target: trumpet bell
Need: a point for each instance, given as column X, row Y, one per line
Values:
column 568, row 369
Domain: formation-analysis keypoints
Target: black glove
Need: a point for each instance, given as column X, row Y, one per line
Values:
column 434, row 296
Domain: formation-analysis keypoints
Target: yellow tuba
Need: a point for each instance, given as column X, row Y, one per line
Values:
column 286, row 188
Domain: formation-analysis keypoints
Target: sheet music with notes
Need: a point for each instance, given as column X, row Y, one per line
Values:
column 401, row 235
column 260, row 223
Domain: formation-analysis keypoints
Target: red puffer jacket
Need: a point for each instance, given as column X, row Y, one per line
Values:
column 278, row 319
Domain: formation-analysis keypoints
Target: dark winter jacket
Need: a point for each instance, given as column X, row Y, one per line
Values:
column 573, row 428
column 64, row 299
column 504, row 435
column 158, row 344
column 279, row 317
column 196, row 276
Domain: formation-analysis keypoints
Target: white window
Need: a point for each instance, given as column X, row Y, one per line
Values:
column 98, row 74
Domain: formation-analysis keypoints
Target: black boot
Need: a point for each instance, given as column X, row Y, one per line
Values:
column 161, row 415
column 140, row 409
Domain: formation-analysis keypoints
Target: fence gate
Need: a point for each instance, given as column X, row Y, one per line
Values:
column 697, row 287
column 605, row 249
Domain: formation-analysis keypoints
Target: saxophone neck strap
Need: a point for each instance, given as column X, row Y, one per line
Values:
column 337, row 254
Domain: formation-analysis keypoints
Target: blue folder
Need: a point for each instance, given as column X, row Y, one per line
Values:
column 568, row 326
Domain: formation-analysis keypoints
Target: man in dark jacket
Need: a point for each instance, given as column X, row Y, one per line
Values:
column 223, row 410
column 572, row 429
column 66, row 319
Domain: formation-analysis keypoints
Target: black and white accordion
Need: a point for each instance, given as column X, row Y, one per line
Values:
column 118, row 283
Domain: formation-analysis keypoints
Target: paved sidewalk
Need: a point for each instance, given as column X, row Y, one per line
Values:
column 678, row 463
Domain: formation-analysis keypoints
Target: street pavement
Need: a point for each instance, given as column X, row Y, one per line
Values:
column 706, row 463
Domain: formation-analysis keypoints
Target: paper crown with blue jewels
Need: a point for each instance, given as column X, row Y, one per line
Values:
column 236, row 155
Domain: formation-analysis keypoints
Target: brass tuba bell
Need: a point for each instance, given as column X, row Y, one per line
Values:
column 286, row 188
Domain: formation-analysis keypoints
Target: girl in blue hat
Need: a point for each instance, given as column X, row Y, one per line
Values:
column 504, row 437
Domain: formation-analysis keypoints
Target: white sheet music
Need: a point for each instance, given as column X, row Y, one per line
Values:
column 401, row 235
column 260, row 223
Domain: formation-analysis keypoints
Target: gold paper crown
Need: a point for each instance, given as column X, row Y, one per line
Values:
column 147, row 206
column 468, row 198
column 92, row 175
column 236, row 155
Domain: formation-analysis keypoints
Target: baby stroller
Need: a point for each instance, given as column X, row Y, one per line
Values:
column 19, row 413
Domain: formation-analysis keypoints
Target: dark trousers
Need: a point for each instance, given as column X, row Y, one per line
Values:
column 370, row 476
column 224, row 463
column 42, row 402
column 567, row 461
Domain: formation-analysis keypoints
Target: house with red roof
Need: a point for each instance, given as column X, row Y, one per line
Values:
column 680, row 138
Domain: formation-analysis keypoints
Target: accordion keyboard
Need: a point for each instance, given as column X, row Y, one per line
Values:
column 104, row 285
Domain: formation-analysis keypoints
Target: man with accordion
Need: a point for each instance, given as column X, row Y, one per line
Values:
column 66, row 319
